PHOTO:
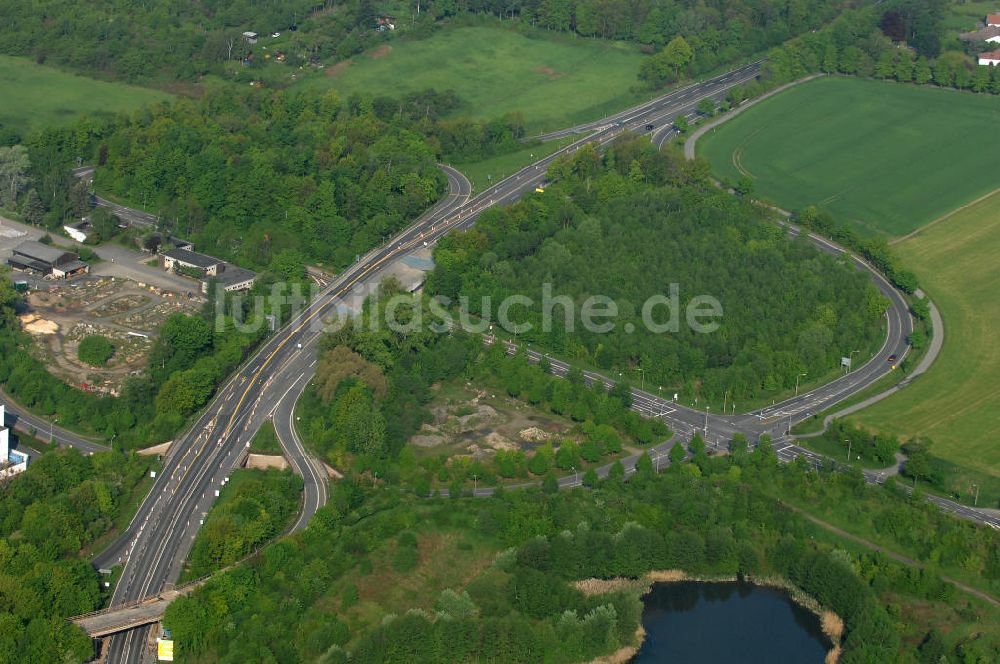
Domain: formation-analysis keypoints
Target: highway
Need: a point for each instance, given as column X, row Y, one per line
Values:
column 156, row 543
column 716, row 88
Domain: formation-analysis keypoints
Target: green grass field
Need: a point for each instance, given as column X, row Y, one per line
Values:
column 956, row 403
column 883, row 156
column 554, row 82
column 36, row 96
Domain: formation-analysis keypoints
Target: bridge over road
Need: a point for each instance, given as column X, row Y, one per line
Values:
column 127, row 616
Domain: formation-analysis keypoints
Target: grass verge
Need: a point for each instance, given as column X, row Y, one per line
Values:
column 266, row 440
column 484, row 173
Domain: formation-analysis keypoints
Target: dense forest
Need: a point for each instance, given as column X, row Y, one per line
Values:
column 254, row 175
column 48, row 515
column 381, row 576
column 627, row 225
column 159, row 40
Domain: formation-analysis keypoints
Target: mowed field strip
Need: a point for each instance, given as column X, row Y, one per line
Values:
column 885, row 157
column 957, row 402
column 35, row 96
column 554, row 82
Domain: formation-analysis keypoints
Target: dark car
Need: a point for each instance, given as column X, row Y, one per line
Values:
column 891, row 359
column 649, row 127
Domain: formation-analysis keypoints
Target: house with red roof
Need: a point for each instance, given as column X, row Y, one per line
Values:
column 991, row 58
column 992, row 19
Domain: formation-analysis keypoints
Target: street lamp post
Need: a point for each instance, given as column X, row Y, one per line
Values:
column 975, row 502
column 850, row 359
column 575, row 479
column 707, row 408
column 52, row 429
column 848, row 441
column 797, row 383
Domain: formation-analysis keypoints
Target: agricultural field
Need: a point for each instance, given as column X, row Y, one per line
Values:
column 37, row 96
column 956, row 403
column 862, row 150
column 553, row 82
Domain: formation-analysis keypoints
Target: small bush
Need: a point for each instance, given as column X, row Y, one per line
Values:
column 405, row 559
column 95, row 350
column 348, row 597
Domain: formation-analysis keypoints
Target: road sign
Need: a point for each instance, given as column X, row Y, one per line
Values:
column 165, row 650
column 845, row 361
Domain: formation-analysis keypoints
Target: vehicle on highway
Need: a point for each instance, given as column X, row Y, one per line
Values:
column 650, row 127
column 891, row 359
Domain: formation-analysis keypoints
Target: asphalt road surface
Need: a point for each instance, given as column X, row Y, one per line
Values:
column 157, row 541
column 20, row 419
column 132, row 216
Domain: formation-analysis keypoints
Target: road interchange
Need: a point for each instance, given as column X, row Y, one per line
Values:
column 155, row 544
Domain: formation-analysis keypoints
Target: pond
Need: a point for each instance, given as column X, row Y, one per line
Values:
column 695, row 622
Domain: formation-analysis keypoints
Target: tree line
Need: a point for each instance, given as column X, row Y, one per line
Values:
column 260, row 178
column 903, row 42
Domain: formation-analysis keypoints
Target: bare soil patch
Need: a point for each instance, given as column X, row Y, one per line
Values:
column 60, row 315
column 334, row 70
column 550, row 73
column 380, row 52
column 469, row 422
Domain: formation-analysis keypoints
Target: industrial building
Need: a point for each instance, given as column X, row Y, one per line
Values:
column 31, row 256
column 207, row 269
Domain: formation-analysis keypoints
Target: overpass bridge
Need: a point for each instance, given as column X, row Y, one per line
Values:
column 135, row 614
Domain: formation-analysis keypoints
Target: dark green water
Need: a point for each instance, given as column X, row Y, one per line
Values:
column 705, row 623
